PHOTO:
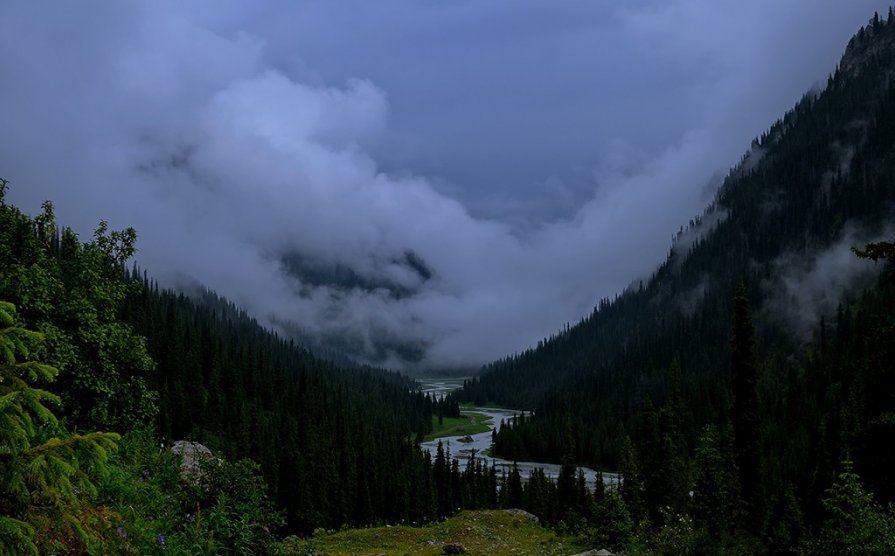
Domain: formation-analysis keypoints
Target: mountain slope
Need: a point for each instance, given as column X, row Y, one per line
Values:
column 820, row 179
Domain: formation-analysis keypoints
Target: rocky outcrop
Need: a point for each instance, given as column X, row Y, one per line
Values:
column 191, row 453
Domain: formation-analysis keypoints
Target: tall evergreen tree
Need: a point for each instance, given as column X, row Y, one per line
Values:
column 716, row 491
column 745, row 411
column 630, row 489
column 514, row 488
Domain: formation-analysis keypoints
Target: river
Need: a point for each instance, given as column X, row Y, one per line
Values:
column 482, row 441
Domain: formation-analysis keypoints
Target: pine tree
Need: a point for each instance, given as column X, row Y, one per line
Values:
column 785, row 525
column 630, row 488
column 441, row 473
column 744, row 415
column 613, row 524
column 514, row 488
column 715, row 493
column 599, row 487
column 565, row 483
column 855, row 524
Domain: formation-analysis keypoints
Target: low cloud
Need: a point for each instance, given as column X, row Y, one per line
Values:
column 804, row 287
column 354, row 191
column 696, row 230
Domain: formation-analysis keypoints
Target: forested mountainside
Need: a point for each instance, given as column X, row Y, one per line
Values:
column 333, row 442
column 819, row 181
column 88, row 346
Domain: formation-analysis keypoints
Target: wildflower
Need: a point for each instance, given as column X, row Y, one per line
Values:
column 161, row 540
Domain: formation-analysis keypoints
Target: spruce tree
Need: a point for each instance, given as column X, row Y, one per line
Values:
column 716, row 492
column 514, row 488
column 745, row 412
column 631, row 486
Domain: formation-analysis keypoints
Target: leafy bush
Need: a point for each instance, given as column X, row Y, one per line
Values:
column 855, row 523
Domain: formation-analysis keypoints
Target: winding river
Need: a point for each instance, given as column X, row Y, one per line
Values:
column 482, row 441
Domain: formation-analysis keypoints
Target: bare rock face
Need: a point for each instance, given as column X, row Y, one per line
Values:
column 191, row 453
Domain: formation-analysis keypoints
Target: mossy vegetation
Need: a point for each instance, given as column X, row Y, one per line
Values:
column 466, row 424
column 492, row 532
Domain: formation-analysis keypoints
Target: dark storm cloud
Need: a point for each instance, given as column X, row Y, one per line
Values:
column 469, row 175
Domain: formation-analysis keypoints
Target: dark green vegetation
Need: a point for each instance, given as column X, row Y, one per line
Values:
column 70, row 364
column 777, row 417
column 334, row 444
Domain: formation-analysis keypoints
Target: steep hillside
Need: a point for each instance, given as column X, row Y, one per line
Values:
column 821, row 179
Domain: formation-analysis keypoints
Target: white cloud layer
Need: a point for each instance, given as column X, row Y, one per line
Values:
column 534, row 157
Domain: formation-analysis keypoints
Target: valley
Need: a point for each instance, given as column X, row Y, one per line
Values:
column 236, row 378
column 479, row 445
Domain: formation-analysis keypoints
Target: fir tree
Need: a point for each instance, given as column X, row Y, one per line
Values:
column 630, row 488
column 514, row 488
column 716, row 492
column 744, row 412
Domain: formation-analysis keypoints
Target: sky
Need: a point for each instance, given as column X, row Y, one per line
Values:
column 436, row 184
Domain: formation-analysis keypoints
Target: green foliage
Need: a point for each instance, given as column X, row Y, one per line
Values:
column 233, row 499
column 223, row 508
column 47, row 477
column 716, row 490
column 613, row 527
column 72, row 293
column 855, row 524
column 631, row 488
column 785, row 527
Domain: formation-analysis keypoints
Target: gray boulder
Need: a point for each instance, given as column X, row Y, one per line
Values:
column 191, row 454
